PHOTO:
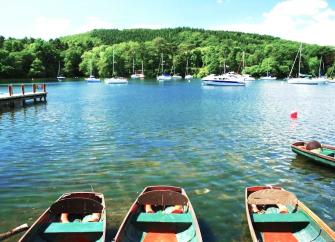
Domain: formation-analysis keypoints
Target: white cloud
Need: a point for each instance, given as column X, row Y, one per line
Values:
column 94, row 23
column 219, row 1
column 46, row 28
column 310, row 21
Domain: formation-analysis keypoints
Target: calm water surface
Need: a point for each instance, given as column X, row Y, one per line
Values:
column 212, row 141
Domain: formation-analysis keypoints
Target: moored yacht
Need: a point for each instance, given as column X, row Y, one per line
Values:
column 59, row 76
column 137, row 74
column 247, row 77
column 116, row 80
column 163, row 76
column 228, row 79
column 188, row 77
column 303, row 78
column 268, row 78
column 92, row 79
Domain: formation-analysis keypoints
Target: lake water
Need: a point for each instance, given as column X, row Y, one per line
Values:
column 212, row 141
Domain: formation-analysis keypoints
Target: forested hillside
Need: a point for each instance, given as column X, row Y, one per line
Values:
column 206, row 51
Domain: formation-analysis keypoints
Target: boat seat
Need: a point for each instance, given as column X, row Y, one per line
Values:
column 75, row 227
column 328, row 152
column 164, row 218
column 297, row 217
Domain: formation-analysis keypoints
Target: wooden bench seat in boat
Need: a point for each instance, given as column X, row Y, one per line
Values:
column 164, row 218
column 297, row 217
column 75, row 227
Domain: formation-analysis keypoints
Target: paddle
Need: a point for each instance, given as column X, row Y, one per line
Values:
column 14, row 231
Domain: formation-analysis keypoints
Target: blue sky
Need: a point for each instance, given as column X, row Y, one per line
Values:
column 307, row 20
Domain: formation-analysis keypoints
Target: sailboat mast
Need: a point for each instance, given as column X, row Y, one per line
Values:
column 142, row 68
column 224, row 66
column 243, row 64
column 58, row 68
column 162, row 64
column 133, row 65
column 320, row 67
column 91, row 68
column 289, row 75
column 186, row 66
column 300, row 59
column 113, row 63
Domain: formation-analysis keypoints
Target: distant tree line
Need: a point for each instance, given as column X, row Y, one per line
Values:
column 206, row 51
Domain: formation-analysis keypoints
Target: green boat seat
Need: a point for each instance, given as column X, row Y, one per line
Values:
column 164, row 218
column 297, row 217
column 89, row 227
column 328, row 152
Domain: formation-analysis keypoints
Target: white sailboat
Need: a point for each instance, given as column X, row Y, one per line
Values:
column 175, row 76
column 320, row 78
column 116, row 80
column 59, row 76
column 268, row 77
column 247, row 77
column 137, row 74
column 91, row 78
column 302, row 78
column 163, row 76
column 187, row 76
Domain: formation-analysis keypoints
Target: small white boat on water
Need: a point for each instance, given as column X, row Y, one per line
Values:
column 303, row 78
column 268, row 78
column 116, row 80
column 59, row 76
column 188, row 77
column 247, row 77
column 163, row 76
column 137, row 74
column 228, row 79
column 92, row 79
column 176, row 77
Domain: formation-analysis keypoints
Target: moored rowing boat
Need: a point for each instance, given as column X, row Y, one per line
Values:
column 79, row 207
column 267, row 224
column 323, row 154
column 161, row 223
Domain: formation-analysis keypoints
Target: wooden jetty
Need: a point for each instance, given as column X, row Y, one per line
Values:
column 11, row 100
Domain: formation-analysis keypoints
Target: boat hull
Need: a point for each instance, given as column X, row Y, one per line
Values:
column 166, row 228
column 93, row 80
column 116, row 81
column 49, row 228
column 164, row 78
column 305, row 81
column 223, row 83
column 325, row 157
column 297, row 225
column 269, row 78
